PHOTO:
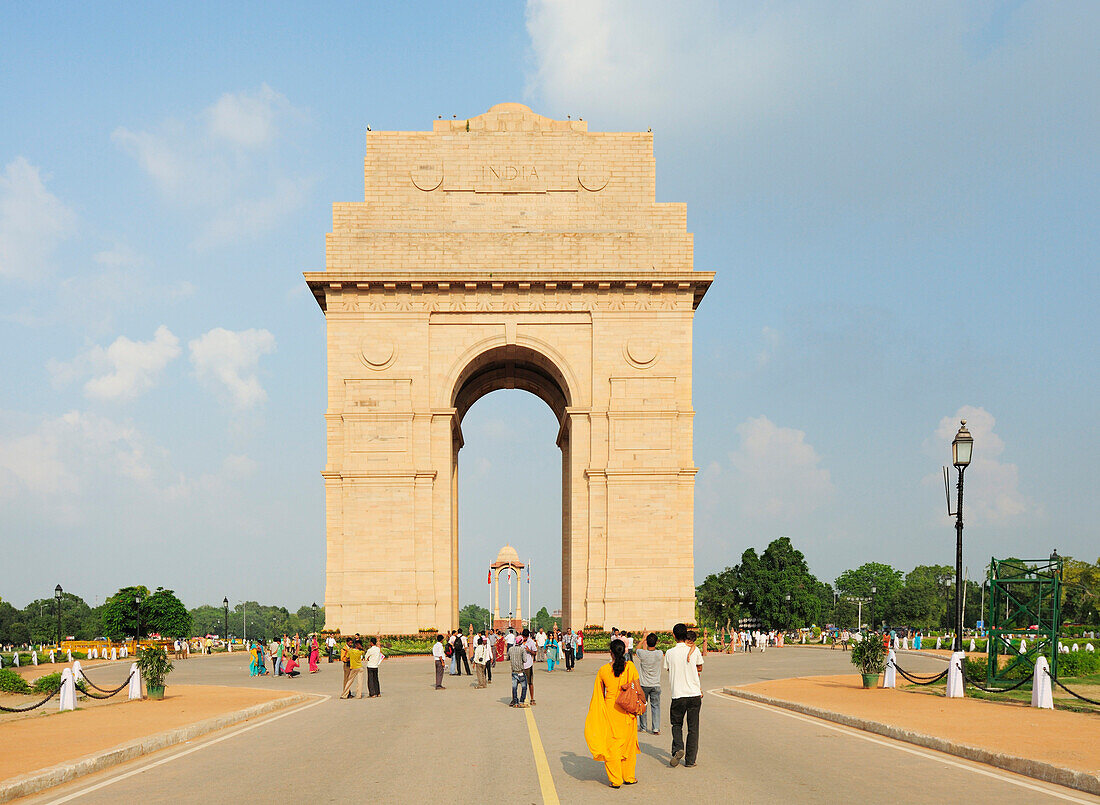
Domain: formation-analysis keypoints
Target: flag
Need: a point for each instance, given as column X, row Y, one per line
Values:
column 528, row 572
column 490, row 581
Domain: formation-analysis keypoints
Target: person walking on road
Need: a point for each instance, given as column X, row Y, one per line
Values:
column 517, row 657
column 611, row 732
column 314, row 655
column 648, row 659
column 684, row 663
column 372, row 659
column 481, row 660
column 440, row 659
column 569, row 648
column 531, row 648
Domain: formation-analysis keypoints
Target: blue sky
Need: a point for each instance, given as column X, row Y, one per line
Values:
column 900, row 202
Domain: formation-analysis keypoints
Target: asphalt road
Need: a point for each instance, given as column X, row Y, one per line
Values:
column 419, row 745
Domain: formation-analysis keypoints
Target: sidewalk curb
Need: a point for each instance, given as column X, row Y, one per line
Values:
column 37, row 781
column 1037, row 769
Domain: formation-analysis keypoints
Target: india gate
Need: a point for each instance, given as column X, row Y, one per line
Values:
column 508, row 250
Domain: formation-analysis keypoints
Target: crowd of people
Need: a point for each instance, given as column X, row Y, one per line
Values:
column 283, row 655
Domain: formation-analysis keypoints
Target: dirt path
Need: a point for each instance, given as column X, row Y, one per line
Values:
column 36, row 743
column 1070, row 740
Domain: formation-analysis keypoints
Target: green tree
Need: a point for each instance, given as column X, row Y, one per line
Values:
column 1081, row 583
column 473, row 615
column 77, row 619
column 858, row 583
column 927, row 598
column 122, row 616
column 776, row 587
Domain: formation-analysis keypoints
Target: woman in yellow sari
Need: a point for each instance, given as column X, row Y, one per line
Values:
column 610, row 732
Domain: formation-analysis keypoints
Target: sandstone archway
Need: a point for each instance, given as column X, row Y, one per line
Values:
column 508, row 251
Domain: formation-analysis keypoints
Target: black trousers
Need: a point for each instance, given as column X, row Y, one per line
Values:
column 686, row 706
column 460, row 660
column 372, row 682
column 489, row 670
column 570, row 659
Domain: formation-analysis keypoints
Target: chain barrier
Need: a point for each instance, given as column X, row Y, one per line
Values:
column 970, row 681
column 108, row 692
column 1067, row 690
column 28, row 708
column 921, row 680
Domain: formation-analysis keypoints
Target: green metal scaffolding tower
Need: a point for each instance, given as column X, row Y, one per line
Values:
column 1023, row 593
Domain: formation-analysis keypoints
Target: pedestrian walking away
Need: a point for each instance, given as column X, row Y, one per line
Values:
column 649, row 659
column 684, row 664
column 517, row 658
column 531, row 647
column 610, row 731
column 481, row 659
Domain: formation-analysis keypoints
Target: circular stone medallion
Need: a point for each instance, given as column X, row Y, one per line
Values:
column 427, row 175
column 593, row 176
column 641, row 351
column 377, row 354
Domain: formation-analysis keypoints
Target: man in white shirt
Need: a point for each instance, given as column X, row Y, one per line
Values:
column 372, row 660
column 330, row 644
column 440, row 659
column 684, row 663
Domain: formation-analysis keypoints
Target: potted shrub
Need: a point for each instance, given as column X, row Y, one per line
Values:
column 154, row 666
column 870, row 655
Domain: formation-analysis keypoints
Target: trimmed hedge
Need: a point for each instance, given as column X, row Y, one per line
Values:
column 11, row 682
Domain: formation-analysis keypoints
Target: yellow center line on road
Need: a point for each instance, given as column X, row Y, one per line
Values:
column 546, row 782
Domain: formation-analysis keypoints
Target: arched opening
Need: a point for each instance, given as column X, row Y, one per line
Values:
column 509, row 471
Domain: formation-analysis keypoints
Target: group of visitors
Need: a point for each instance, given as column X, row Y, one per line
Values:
column 283, row 655
column 355, row 660
column 611, row 729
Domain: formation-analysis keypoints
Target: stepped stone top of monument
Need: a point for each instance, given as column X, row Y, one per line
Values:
column 508, row 117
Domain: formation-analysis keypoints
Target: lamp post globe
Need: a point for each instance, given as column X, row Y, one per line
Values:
column 962, row 451
column 225, row 606
column 137, row 609
column 57, row 597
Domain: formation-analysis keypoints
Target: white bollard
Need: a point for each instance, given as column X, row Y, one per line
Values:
column 69, row 652
column 905, row 643
column 15, row 659
column 937, row 644
column 34, row 658
column 123, row 652
column 1042, row 695
column 52, row 656
column 973, row 645
column 68, row 690
column 955, row 676
column 134, row 691
column 1088, row 647
column 1, row 662
column 890, row 678
column 78, row 672
column 1071, row 648
column 114, row 653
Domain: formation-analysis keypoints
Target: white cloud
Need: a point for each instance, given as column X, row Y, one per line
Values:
column 123, row 370
column 992, row 490
column 843, row 107
column 62, row 457
column 229, row 360
column 244, row 119
column 223, row 164
column 121, row 256
column 774, row 477
column 33, row 222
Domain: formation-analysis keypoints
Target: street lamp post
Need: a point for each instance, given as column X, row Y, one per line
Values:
column 871, row 606
column 57, row 597
column 315, row 617
column 225, row 606
column 273, row 634
column 962, row 448
column 137, row 607
column 788, row 610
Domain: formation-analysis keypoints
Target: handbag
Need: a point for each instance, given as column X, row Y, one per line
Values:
column 632, row 698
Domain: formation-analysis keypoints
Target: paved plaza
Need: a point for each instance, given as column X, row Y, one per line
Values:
column 415, row 744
